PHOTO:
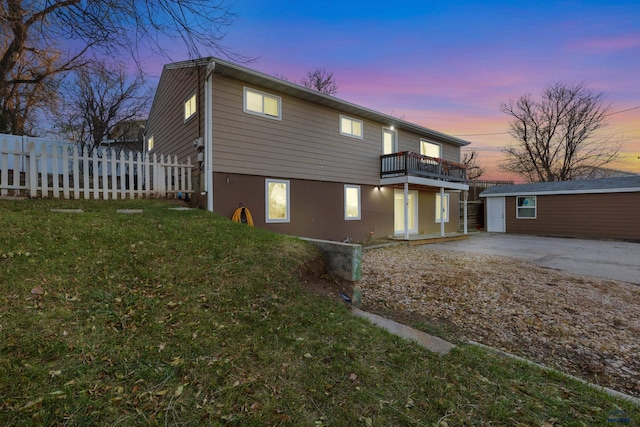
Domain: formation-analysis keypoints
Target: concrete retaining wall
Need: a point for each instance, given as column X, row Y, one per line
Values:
column 343, row 259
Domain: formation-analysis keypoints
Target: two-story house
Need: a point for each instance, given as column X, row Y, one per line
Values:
column 303, row 163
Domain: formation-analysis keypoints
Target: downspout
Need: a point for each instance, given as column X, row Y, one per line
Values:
column 208, row 134
column 442, row 211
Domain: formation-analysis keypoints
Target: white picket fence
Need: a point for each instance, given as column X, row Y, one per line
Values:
column 35, row 167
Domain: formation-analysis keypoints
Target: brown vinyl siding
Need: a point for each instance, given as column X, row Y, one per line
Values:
column 305, row 144
column 427, row 213
column 602, row 215
column 317, row 208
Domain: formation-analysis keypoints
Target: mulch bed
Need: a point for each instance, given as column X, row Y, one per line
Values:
column 584, row 326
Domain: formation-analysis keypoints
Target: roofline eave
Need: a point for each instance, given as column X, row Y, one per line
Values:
column 247, row 75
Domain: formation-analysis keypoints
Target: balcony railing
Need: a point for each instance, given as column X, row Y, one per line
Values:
column 410, row 163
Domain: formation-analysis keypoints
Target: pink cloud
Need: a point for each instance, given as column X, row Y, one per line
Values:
column 608, row 45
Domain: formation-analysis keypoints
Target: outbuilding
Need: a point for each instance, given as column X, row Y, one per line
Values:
column 607, row 208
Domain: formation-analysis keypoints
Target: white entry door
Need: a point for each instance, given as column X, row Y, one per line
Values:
column 398, row 211
column 495, row 214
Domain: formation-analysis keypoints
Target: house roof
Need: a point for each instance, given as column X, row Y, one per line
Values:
column 624, row 184
column 247, row 75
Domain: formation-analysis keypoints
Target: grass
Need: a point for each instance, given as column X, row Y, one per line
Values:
column 185, row 318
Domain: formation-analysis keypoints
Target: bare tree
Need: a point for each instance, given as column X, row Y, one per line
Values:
column 99, row 98
column 470, row 160
column 557, row 136
column 40, row 40
column 23, row 104
column 280, row 76
column 321, row 81
column 24, row 94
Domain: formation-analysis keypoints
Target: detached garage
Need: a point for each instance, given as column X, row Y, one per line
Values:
column 607, row 208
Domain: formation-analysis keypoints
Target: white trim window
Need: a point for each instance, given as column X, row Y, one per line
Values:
column 190, row 107
column 276, row 200
column 352, row 202
column 439, row 207
column 430, row 149
column 351, row 127
column 526, row 207
column 389, row 141
column 262, row 104
column 150, row 143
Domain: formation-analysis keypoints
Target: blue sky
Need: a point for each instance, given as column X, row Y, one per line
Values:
column 449, row 65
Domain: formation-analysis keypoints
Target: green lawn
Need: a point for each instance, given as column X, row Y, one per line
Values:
column 186, row 318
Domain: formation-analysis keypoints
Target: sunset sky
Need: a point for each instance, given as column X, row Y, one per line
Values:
column 449, row 65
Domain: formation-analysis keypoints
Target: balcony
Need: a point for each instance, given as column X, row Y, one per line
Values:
column 409, row 163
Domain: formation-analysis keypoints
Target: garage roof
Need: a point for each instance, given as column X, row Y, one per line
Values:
column 627, row 184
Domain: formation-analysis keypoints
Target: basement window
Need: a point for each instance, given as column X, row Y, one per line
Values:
column 277, row 200
column 526, row 207
column 351, row 202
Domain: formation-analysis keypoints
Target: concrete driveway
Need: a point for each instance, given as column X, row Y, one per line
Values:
column 597, row 258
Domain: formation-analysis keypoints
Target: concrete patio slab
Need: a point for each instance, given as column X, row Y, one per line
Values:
column 608, row 259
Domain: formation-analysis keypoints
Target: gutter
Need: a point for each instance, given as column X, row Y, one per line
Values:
column 561, row 192
column 250, row 76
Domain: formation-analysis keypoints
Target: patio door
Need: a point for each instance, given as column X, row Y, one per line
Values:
column 495, row 214
column 398, row 211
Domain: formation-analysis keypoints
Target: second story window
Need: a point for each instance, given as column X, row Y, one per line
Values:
column 262, row 104
column 350, row 127
column 190, row 107
column 430, row 149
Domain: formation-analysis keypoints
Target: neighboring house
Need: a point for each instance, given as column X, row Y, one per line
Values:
column 599, row 172
column 477, row 186
column 606, row 208
column 128, row 134
column 303, row 163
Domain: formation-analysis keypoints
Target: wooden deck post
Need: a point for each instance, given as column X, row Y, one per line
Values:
column 466, row 195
